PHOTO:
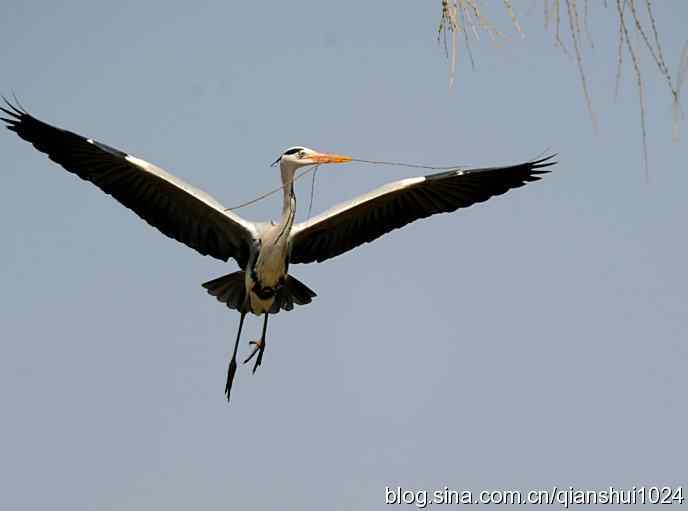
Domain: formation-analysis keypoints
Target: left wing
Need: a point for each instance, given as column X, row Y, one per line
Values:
column 174, row 207
column 396, row 204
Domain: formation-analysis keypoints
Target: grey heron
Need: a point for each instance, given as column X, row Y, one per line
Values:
column 264, row 250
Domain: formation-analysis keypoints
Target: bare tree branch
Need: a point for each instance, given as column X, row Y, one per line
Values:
column 466, row 15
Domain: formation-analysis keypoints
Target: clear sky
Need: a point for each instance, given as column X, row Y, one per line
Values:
column 538, row 339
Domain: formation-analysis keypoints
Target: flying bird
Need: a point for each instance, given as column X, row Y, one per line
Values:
column 264, row 250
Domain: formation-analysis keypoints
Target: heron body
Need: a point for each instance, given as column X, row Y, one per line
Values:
column 272, row 259
column 264, row 251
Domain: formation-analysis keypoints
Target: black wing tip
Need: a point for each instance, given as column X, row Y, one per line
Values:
column 541, row 163
column 16, row 107
column 16, row 112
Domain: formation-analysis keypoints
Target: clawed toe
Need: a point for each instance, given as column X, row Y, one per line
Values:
column 259, row 360
column 259, row 345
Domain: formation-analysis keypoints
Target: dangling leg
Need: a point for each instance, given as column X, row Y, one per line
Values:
column 259, row 360
column 259, row 346
column 232, row 364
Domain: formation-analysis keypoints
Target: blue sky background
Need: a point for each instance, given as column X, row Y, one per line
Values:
column 535, row 340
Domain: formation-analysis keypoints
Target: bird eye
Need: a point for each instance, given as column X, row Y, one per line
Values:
column 302, row 154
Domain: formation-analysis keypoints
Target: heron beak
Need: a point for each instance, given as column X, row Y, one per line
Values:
column 329, row 158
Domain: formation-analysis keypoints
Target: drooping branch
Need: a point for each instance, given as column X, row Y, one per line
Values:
column 465, row 16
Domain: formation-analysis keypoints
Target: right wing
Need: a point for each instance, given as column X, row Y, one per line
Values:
column 174, row 207
column 396, row 204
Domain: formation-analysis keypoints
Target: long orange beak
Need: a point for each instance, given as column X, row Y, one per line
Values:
column 329, row 158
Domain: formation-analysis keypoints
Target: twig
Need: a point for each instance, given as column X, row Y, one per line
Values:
column 464, row 23
column 573, row 22
column 657, row 56
column 514, row 20
column 586, row 25
column 641, row 93
column 557, row 37
column 619, row 62
column 680, row 77
column 310, row 204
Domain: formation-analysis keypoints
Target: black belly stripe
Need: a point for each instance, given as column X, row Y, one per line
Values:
column 265, row 292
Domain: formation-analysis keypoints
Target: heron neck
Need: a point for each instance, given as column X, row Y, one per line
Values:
column 288, row 200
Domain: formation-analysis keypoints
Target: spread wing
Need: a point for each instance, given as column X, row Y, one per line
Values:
column 174, row 207
column 396, row 204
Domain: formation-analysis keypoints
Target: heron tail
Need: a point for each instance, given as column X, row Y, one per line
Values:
column 231, row 290
column 292, row 292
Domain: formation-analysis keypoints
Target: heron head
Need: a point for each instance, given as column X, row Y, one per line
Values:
column 298, row 156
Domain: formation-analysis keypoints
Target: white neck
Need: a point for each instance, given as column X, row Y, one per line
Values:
column 288, row 197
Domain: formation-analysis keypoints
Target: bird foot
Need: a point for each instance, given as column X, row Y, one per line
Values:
column 258, row 347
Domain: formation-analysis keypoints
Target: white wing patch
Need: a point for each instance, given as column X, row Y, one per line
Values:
column 192, row 190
